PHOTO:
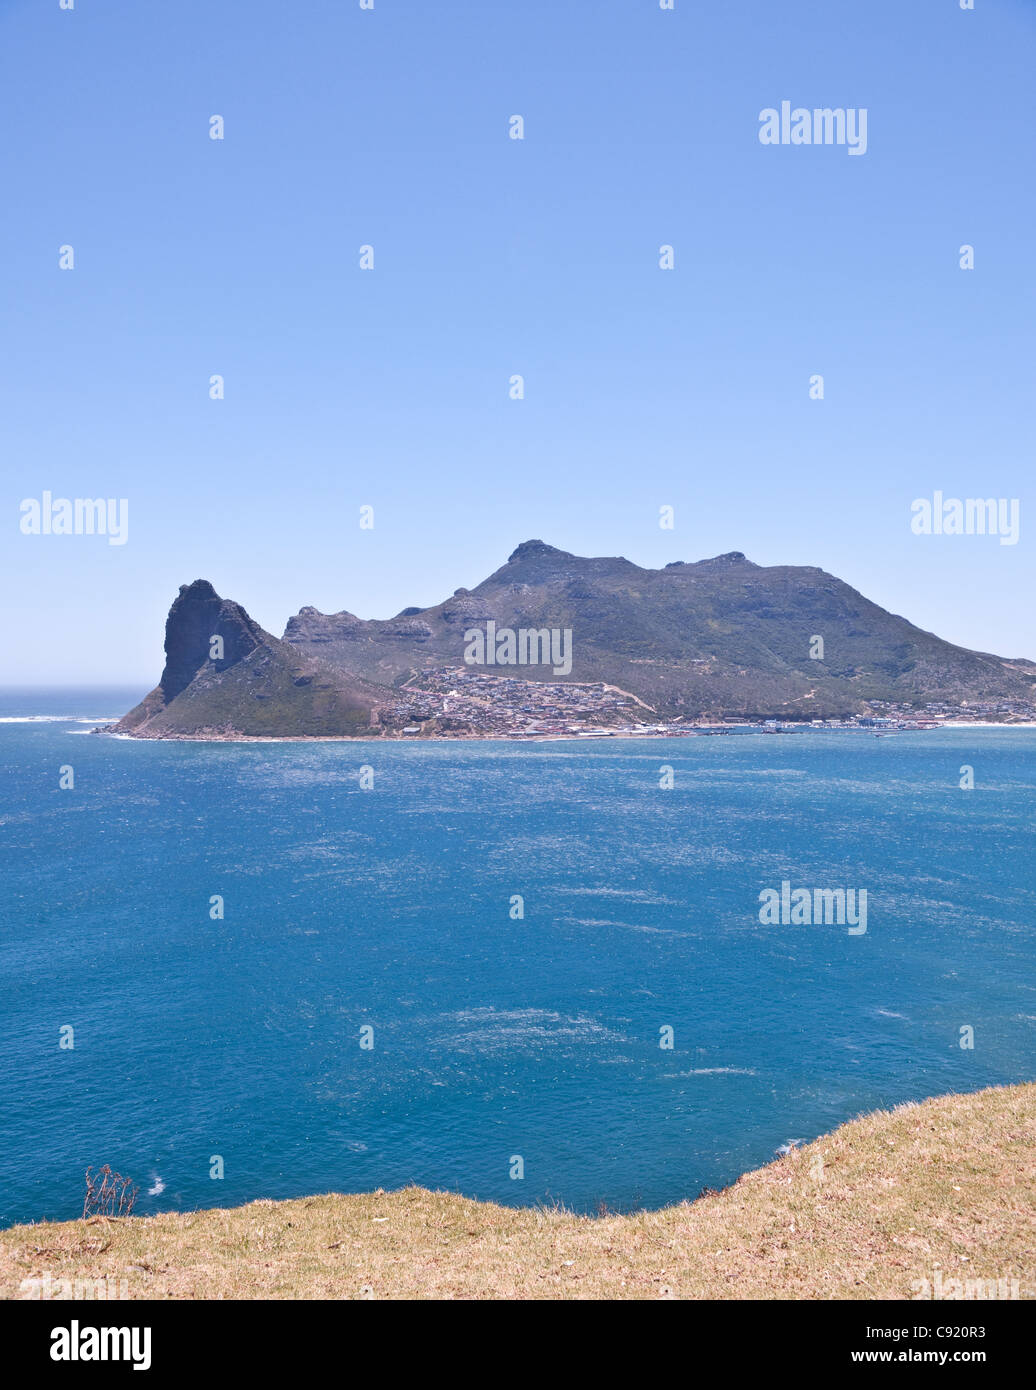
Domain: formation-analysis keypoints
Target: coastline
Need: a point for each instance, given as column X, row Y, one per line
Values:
column 705, row 731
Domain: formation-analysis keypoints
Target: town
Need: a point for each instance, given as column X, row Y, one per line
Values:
column 457, row 702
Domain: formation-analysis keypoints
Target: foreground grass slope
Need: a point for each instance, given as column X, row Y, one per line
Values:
column 864, row 1212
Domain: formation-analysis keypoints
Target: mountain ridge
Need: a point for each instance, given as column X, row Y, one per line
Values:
column 729, row 636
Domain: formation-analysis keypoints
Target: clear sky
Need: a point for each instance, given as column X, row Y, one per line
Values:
column 493, row 256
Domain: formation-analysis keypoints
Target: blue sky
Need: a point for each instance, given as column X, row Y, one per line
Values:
column 493, row 256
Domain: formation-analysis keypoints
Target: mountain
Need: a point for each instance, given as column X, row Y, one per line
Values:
column 716, row 638
column 258, row 686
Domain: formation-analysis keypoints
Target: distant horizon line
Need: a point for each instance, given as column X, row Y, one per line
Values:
column 79, row 685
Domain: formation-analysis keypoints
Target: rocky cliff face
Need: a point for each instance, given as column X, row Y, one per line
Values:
column 197, row 616
column 225, row 676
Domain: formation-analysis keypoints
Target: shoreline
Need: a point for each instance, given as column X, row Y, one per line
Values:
column 704, row 731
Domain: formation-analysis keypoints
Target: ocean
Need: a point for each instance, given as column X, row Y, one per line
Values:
column 509, row 1057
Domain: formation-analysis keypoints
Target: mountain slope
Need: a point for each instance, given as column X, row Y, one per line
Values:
column 259, row 686
column 719, row 637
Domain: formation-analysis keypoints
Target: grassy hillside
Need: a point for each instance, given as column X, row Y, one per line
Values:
column 861, row 1213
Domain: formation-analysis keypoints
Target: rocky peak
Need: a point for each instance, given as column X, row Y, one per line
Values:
column 535, row 549
column 198, row 614
column 729, row 559
column 200, row 590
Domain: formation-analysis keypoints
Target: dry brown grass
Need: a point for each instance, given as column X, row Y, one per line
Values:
column 861, row 1213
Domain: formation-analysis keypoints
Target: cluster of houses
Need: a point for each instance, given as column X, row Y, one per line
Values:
column 966, row 711
column 460, row 701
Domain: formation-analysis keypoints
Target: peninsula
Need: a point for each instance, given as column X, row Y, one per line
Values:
column 559, row 645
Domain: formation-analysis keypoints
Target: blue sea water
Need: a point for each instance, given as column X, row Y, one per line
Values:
column 493, row 1037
